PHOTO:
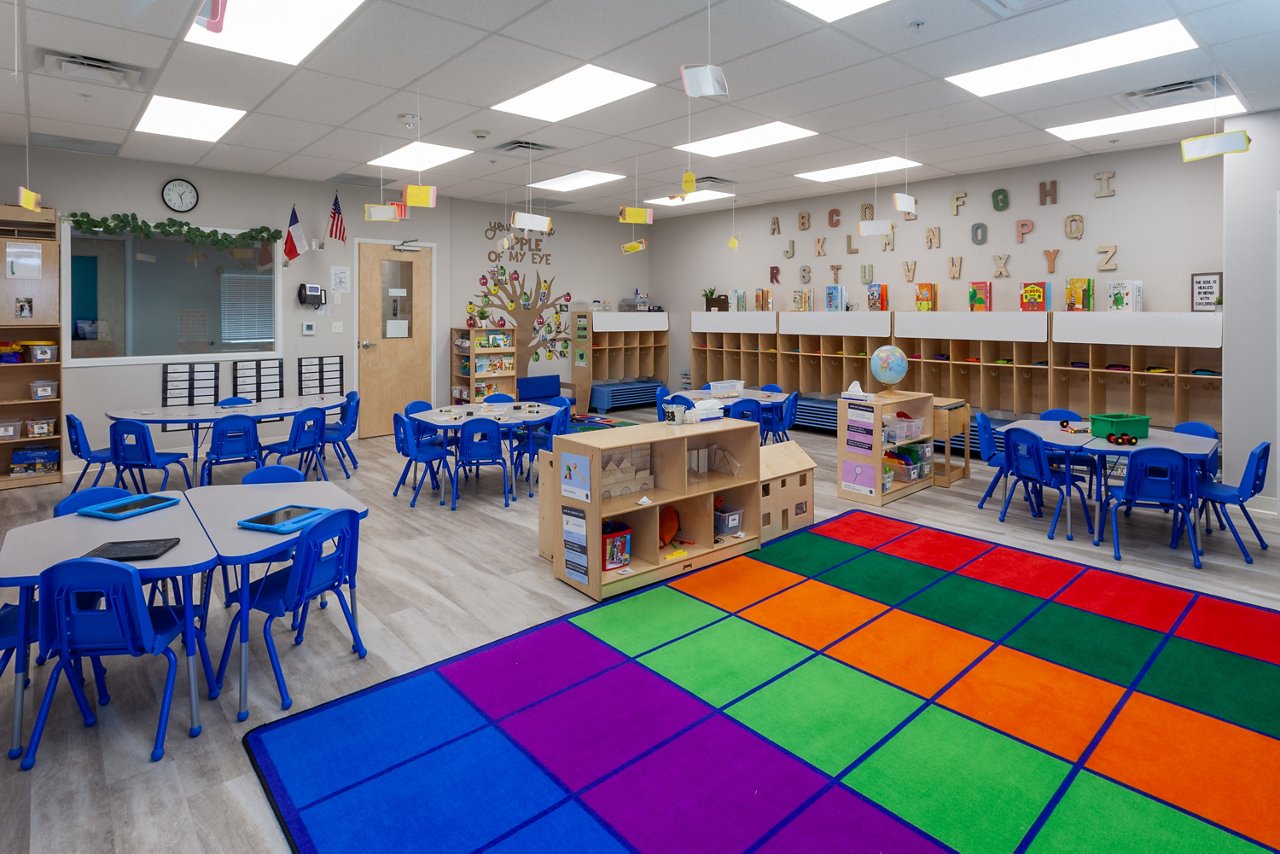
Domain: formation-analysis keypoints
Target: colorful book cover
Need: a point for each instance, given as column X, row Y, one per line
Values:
column 1034, row 296
column 980, row 296
column 926, row 296
column 1079, row 294
column 835, row 297
column 877, row 297
column 1124, row 296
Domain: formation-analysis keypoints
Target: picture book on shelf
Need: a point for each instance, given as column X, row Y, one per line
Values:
column 764, row 299
column 835, row 297
column 980, row 296
column 1079, row 294
column 802, row 300
column 1124, row 295
column 926, row 296
column 877, row 297
column 1033, row 296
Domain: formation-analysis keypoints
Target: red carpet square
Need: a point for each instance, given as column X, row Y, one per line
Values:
column 1143, row 603
column 1233, row 626
column 864, row 529
column 936, row 548
column 1023, row 571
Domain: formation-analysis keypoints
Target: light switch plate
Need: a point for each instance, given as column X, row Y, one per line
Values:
column 336, row 326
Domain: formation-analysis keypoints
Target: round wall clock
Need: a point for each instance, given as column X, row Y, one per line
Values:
column 180, row 195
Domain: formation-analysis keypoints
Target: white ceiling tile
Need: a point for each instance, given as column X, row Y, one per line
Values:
column 500, row 128
column 71, row 35
column 71, row 101
column 840, row 87
column 13, row 129
column 1186, row 7
column 1027, row 156
column 888, row 27
column 841, row 156
column 237, row 158
column 389, row 44
column 801, row 58
column 588, row 28
column 961, row 149
column 1236, row 20
column 275, row 133
column 992, row 129
column 941, row 118
column 1242, row 53
column 308, row 168
column 347, row 144
column 310, row 95
column 662, row 160
column 909, row 101
column 482, row 164
column 6, row 35
column 712, row 122
column 76, row 130
column 164, row 149
column 12, row 97
column 485, row 75
column 196, row 72
column 435, row 113
column 1256, row 77
column 606, row 151
column 489, row 14
column 660, row 104
column 167, row 18
column 1265, row 98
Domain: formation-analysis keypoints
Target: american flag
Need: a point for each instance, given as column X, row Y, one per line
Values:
column 337, row 225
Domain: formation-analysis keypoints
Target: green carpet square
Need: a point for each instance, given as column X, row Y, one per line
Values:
column 725, row 661
column 825, row 713
column 972, row 606
column 806, row 554
column 1242, row 690
column 642, row 622
column 1098, row 815
column 1099, row 646
column 969, row 786
column 882, row 577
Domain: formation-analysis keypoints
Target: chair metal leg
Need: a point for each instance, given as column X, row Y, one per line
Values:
column 84, row 471
column 1262, row 544
column 357, row 645
column 100, row 680
column 1004, row 509
column 42, row 717
column 1248, row 558
column 991, row 487
column 226, row 656
column 285, row 700
column 403, row 476
column 166, row 702
column 1115, row 529
column 346, row 446
column 1063, row 498
column 413, row 502
column 337, row 452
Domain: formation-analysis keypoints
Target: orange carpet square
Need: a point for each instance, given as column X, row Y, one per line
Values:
column 1023, row 571
column 909, row 651
column 1235, row 626
column 1037, row 701
column 864, row 529
column 815, row 614
column 736, row 583
column 1209, row 767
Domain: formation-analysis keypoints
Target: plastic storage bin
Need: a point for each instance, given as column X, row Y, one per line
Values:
column 44, row 389
column 617, row 544
column 728, row 521
column 907, row 472
column 903, row 430
column 40, row 352
column 40, row 427
column 726, row 388
column 31, row 461
column 10, row 429
column 1137, row 426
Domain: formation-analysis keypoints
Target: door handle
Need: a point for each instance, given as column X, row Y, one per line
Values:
column 366, row 345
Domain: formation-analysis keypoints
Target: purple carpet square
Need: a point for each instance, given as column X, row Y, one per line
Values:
column 584, row 733
column 842, row 821
column 528, row 668
column 717, row 787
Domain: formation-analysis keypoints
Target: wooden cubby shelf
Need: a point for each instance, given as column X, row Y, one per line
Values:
column 627, row 353
column 467, row 348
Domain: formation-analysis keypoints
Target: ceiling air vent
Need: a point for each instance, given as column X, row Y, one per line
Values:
column 1173, row 94
column 713, row 181
column 70, row 143
column 357, row 180
column 1013, row 8
column 522, row 145
column 543, row 203
column 91, row 70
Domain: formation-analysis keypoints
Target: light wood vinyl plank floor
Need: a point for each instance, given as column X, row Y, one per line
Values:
column 432, row 584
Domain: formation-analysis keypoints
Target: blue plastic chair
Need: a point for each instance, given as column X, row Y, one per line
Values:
column 706, row 387
column 1199, row 428
column 1027, row 461
column 990, row 456
column 1160, row 478
column 306, row 440
column 338, row 434
column 480, row 444
column 747, row 409
column 323, row 562
column 661, row 397
column 431, row 454
column 273, row 474
column 1219, row 495
column 235, row 401
column 776, row 425
column 422, row 431
column 1057, row 457
column 1060, row 415
column 774, row 387
column 232, row 439
column 91, row 496
column 133, row 452
column 79, row 442
column 680, row 400
column 499, row 397
column 120, row 623
column 539, row 437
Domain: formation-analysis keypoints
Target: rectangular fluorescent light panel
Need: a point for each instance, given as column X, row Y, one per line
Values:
column 419, row 156
column 580, row 90
column 746, row 140
column 187, row 119
column 834, row 10
column 279, row 30
column 576, row 181
column 691, row 199
column 858, row 170
column 1098, row 55
column 1213, row 108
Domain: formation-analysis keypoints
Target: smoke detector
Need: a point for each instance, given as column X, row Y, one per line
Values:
column 409, row 120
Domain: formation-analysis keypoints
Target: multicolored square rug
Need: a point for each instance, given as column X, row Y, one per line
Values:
column 865, row 685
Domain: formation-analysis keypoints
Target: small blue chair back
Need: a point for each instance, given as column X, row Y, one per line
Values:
column 131, row 444
column 1159, row 476
column 706, row 387
column 1255, row 471
column 1060, row 415
column 421, row 429
column 680, row 400
column 349, row 415
column 273, row 474
column 400, row 430
column 234, row 437
column 560, row 400
column 560, row 422
column 661, row 396
column 1024, row 455
column 747, row 409
column 77, row 438
column 235, row 401
column 117, row 624
column 316, row 568
column 1199, row 428
column 88, row 498
column 771, row 387
column 986, row 439
column 480, row 441
column 499, row 398
column 307, row 430
column 789, row 410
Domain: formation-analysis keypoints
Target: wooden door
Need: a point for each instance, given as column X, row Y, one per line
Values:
column 395, row 333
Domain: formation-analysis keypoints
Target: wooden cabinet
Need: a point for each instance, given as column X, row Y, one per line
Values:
column 481, row 362
column 885, row 447
column 618, row 347
column 600, row 477
column 30, row 311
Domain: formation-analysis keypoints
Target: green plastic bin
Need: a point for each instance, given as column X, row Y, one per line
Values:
column 1137, row 426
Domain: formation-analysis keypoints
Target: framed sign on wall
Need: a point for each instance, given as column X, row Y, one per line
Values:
column 1206, row 290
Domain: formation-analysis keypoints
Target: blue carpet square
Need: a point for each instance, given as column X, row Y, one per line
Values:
column 568, row 829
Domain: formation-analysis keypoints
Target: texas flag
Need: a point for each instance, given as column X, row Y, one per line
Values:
column 295, row 242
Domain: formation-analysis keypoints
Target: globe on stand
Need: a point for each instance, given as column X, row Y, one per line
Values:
column 889, row 365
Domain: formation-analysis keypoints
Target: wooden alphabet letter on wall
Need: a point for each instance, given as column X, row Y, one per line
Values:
column 835, row 273
column 1074, row 227
column 774, row 228
column 933, row 238
column 806, row 275
column 1000, row 199
column 867, row 273
column 866, row 212
column 953, row 265
column 819, row 247
column 957, row 199
column 790, row 251
column 1107, row 264
column 774, row 272
column 1048, row 193
column 909, row 271
column 804, row 221
column 1002, row 266
column 886, row 242
column 849, row 248
column 833, row 217
column 978, row 234
column 1022, row 228
column 1051, row 259
column 1104, row 190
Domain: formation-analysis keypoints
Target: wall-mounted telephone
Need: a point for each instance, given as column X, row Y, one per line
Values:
column 312, row 295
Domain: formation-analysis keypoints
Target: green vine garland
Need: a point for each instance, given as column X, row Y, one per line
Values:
column 221, row 240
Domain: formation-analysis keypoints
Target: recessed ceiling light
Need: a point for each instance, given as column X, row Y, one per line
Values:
column 745, row 140
column 691, row 199
column 576, row 181
column 1213, row 108
column 580, row 90
column 418, row 156
column 281, row 30
column 834, row 10
column 187, row 119
column 858, row 170
column 1085, row 58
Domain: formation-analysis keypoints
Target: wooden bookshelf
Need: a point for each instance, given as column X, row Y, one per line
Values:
column 469, row 348
column 869, row 429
